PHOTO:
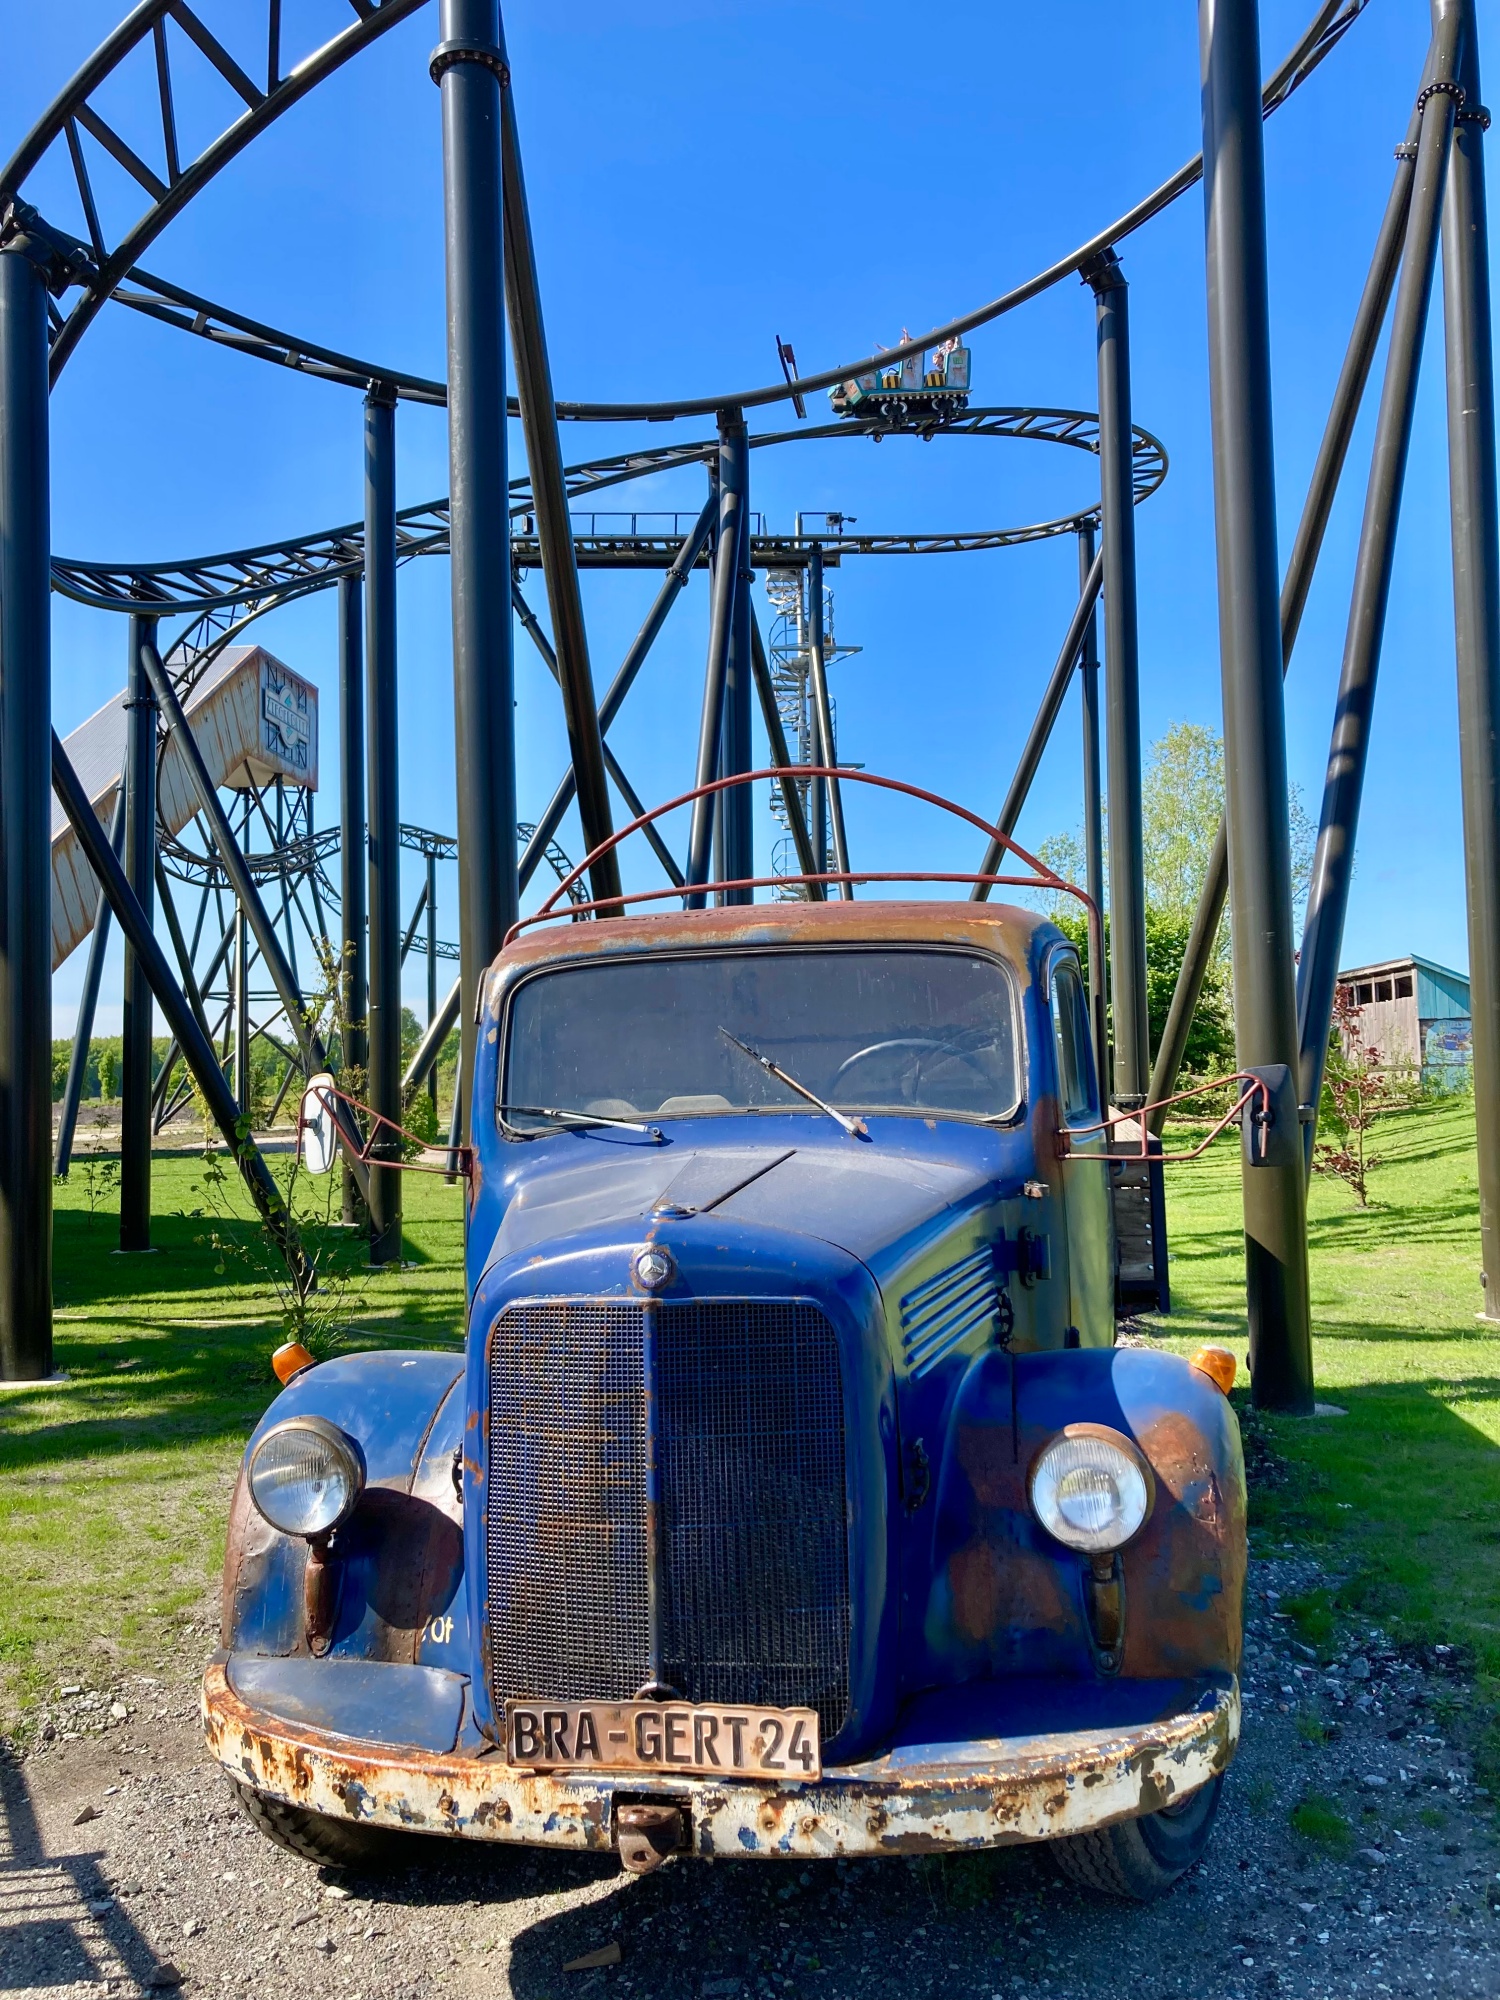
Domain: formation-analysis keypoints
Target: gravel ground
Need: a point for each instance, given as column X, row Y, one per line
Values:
column 126, row 1868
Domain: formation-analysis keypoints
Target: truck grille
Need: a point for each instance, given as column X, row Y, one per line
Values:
column 754, row 1515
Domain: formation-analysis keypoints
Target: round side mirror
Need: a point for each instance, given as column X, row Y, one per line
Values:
column 317, row 1135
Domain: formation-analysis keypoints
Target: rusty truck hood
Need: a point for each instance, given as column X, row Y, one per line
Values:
column 802, row 1176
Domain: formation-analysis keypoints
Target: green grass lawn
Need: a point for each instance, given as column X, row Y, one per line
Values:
column 114, row 1488
column 1401, row 1495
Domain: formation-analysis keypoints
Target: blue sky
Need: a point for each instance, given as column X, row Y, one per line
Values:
column 704, row 176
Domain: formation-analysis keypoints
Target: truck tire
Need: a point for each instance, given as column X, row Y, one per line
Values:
column 1140, row 1859
column 314, row 1836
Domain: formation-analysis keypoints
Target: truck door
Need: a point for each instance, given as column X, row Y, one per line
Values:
column 1084, row 1175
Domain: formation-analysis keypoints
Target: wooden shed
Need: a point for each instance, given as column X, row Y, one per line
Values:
column 1416, row 1014
column 254, row 720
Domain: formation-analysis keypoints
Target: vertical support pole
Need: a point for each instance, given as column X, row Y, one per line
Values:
column 1260, row 877
column 241, row 1012
column 467, row 66
column 432, row 992
column 1093, row 814
column 1354, row 708
column 88, row 1001
column 384, row 1089
column 1122, row 697
column 1476, row 601
column 354, row 961
column 1316, row 509
column 733, row 453
column 823, row 718
column 809, row 739
column 140, row 872
column 738, row 806
column 25, row 827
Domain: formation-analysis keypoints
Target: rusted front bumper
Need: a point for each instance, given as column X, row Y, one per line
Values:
column 989, row 1794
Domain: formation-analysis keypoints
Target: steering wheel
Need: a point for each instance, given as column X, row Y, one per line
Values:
column 916, row 1046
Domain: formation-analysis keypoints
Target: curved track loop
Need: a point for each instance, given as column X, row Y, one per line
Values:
column 195, row 314
column 246, row 578
column 171, row 25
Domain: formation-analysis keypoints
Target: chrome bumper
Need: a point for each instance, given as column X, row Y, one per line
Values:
column 948, row 1796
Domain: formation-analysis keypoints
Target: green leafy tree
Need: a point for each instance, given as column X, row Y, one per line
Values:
column 1210, row 1046
column 109, row 1074
column 1182, row 800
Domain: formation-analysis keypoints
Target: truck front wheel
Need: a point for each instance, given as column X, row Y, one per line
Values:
column 1140, row 1859
column 314, row 1836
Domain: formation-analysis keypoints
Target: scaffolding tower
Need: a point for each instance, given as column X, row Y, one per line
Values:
column 790, row 650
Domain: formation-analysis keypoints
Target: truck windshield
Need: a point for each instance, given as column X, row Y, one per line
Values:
column 876, row 1030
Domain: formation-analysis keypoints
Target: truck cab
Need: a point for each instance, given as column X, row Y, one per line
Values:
column 791, row 1497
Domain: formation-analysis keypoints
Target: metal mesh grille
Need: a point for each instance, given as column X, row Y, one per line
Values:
column 751, row 1439
column 752, row 1434
column 566, row 1526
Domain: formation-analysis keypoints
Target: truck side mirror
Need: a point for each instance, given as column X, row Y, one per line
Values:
column 317, row 1136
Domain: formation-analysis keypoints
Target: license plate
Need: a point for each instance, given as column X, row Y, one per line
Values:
column 702, row 1738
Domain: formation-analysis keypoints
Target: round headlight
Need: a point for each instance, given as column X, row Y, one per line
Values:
column 305, row 1476
column 1091, row 1491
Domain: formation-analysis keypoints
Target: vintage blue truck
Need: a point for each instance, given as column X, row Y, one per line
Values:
column 791, row 1497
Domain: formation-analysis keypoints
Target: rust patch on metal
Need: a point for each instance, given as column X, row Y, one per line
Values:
column 1053, row 1786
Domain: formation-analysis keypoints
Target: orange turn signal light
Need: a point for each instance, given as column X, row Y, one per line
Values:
column 293, row 1359
column 1217, row 1363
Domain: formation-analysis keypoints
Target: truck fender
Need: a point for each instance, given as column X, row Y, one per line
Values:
column 398, row 1559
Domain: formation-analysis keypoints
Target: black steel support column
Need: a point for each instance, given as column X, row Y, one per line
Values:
column 432, row 992
column 1476, row 595
column 782, row 757
column 1349, row 749
column 817, row 788
column 1322, row 488
column 140, row 872
column 424, row 1056
column 733, row 453
column 549, row 497
column 242, row 990
column 25, row 827
column 1122, row 696
column 737, row 807
column 88, row 1001
column 1093, row 813
column 467, row 66
column 354, row 976
column 384, row 1088
column 196, row 1048
column 671, row 587
column 828, row 752
column 1260, row 874
column 1040, row 733
column 247, row 895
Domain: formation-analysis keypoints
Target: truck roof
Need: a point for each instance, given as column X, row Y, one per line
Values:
column 1003, row 928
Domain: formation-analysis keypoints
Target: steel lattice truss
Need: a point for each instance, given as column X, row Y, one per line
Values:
column 168, row 36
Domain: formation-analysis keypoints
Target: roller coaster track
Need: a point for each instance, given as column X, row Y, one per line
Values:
column 98, row 270
column 222, row 593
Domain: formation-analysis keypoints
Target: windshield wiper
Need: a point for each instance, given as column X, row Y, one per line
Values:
column 855, row 1127
column 580, row 1118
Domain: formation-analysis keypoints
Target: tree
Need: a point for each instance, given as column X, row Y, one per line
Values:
column 109, row 1074
column 1356, row 1091
column 1182, row 801
column 1210, row 1044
